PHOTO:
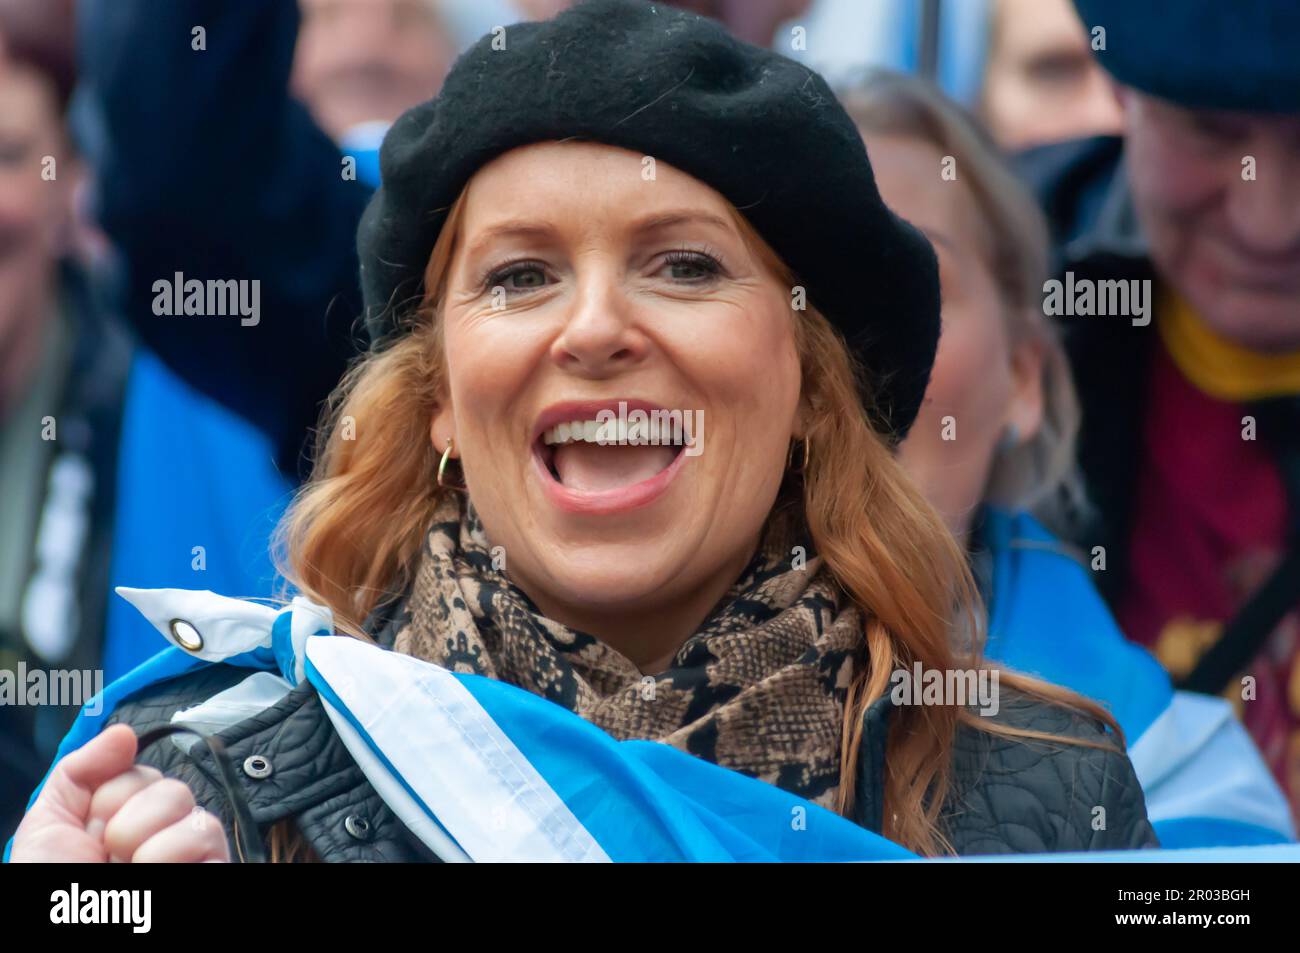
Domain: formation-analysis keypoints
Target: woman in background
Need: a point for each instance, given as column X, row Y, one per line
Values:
column 993, row 450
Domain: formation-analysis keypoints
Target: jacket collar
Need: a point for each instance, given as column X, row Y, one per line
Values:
column 1115, row 233
column 305, row 760
column 869, row 810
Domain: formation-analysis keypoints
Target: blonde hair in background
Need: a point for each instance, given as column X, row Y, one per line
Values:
column 351, row 537
column 1039, row 474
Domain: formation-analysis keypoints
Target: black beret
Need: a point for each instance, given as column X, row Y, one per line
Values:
column 1203, row 54
column 764, row 131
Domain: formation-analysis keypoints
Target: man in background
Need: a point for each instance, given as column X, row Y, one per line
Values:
column 1191, row 391
column 63, row 371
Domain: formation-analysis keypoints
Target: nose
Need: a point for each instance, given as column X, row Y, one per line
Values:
column 1265, row 212
column 600, row 337
column 1101, row 114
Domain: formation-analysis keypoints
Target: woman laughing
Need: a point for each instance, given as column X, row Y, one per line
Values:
column 623, row 205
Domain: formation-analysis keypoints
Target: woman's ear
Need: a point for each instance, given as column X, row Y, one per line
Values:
column 442, row 431
column 1025, row 410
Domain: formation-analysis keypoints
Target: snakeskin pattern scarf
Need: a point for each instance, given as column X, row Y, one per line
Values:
column 759, row 689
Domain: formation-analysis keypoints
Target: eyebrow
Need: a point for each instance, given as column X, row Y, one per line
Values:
column 531, row 228
column 506, row 229
column 680, row 217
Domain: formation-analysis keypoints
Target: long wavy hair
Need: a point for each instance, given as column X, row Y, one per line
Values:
column 351, row 538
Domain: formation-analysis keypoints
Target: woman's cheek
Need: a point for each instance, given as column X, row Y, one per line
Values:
column 488, row 356
column 951, row 445
column 969, row 368
column 749, row 354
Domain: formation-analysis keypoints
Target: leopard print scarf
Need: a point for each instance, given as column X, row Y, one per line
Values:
column 759, row 689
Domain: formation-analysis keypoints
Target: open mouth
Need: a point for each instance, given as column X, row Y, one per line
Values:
column 579, row 458
column 593, row 462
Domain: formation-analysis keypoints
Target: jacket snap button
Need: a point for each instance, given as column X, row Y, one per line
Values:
column 257, row 767
column 357, row 826
column 186, row 635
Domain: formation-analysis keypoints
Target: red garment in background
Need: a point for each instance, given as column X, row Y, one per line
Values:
column 1209, row 524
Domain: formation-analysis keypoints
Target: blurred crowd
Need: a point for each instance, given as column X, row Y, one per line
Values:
column 1126, row 483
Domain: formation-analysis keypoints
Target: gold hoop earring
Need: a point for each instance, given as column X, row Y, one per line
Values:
column 442, row 468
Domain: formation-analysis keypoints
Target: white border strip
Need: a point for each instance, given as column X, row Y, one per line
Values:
column 395, row 796
column 485, row 794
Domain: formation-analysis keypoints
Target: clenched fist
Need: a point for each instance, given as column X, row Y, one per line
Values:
column 98, row 806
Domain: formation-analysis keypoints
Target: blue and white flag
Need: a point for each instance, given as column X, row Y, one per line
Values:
column 1206, row 784
column 481, row 770
column 493, row 772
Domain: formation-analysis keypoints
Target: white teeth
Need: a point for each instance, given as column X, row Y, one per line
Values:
column 611, row 431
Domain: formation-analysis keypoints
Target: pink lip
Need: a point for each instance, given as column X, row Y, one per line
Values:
column 602, row 502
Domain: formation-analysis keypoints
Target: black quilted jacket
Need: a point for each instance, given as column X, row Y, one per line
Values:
column 1009, row 796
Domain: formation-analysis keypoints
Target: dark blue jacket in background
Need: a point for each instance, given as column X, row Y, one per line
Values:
column 204, row 165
